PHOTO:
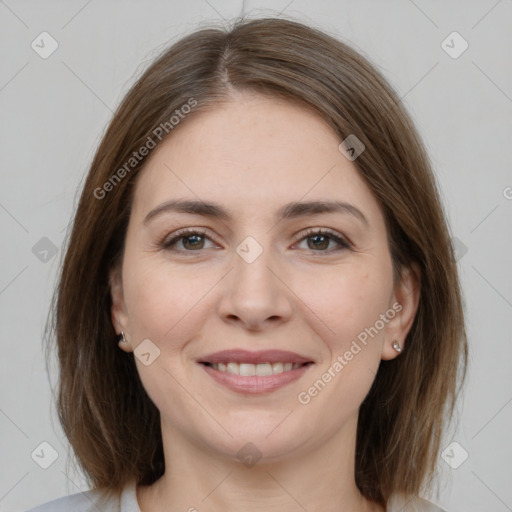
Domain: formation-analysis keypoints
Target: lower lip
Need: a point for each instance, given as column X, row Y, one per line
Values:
column 255, row 384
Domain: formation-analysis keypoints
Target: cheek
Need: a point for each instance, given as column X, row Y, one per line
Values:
column 348, row 299
column 352, row 303
column 165, row 306
column 164, row 301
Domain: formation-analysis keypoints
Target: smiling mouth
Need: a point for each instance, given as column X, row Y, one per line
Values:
column 254, row 372
column 250, row 369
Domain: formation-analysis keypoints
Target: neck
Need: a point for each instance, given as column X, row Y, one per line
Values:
column 197, row 480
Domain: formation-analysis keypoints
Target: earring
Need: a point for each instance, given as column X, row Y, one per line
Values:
column 396, row 346
column 121, row 338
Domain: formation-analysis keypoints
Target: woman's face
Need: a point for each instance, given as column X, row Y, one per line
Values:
column 252, row 287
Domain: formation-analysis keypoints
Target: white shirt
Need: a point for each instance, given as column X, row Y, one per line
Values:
column 92, row 501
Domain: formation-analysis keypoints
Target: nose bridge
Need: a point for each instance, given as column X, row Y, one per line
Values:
column 252, row 263
column 253, row 292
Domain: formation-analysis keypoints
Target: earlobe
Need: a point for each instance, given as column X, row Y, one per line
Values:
column 118, row 313
column 396, row 346
column 405, row 304
column 123, row 342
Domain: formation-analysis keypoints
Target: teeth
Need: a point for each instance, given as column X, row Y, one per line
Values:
column 233, row 368
column 247, row 369
column 277, row 367
column 261, row 370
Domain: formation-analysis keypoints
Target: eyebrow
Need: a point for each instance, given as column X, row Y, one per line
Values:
column 288, row 211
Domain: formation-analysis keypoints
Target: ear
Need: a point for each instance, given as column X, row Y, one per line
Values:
column 118, row 310
column 404, row 303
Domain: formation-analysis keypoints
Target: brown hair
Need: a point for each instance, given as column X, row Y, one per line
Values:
column 112, row 425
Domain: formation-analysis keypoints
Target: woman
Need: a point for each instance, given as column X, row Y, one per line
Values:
column 261, row 235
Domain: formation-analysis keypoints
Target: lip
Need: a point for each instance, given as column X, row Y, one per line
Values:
column 256, row 357
column 255, row 384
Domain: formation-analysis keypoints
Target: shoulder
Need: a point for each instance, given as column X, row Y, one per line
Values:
column 401, row 504
column 94, row 500
column 80, row 502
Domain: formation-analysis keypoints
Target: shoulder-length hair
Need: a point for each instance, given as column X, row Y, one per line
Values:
column 112, row 425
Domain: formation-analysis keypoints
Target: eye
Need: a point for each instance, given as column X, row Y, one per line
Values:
column 320, row 240
column 187, row 240
column 194, row 240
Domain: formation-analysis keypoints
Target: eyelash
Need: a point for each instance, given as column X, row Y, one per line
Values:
column 343, row 244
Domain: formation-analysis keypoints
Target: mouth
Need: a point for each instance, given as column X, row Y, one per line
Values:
column 249, row 369
column 255, row 372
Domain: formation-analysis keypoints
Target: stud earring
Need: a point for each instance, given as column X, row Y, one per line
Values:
column 396, row 346
column 121, row 338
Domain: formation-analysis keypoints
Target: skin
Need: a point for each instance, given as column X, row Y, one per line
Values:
column 252, row 155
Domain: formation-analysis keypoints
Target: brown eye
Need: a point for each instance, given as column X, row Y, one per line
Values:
column 186, row 241
column 321, row 241
column 193, row 242
column 318, row 242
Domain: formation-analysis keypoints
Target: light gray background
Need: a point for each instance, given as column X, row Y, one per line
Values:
column 54, row 111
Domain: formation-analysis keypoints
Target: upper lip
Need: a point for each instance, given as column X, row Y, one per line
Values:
column 254, row 357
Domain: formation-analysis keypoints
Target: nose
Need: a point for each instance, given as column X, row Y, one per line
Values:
column 255, row 295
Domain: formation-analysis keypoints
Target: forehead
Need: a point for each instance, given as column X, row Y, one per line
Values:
column 252, row 153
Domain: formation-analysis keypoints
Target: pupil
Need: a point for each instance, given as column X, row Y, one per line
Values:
column 196, row 240
column 322, row 244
